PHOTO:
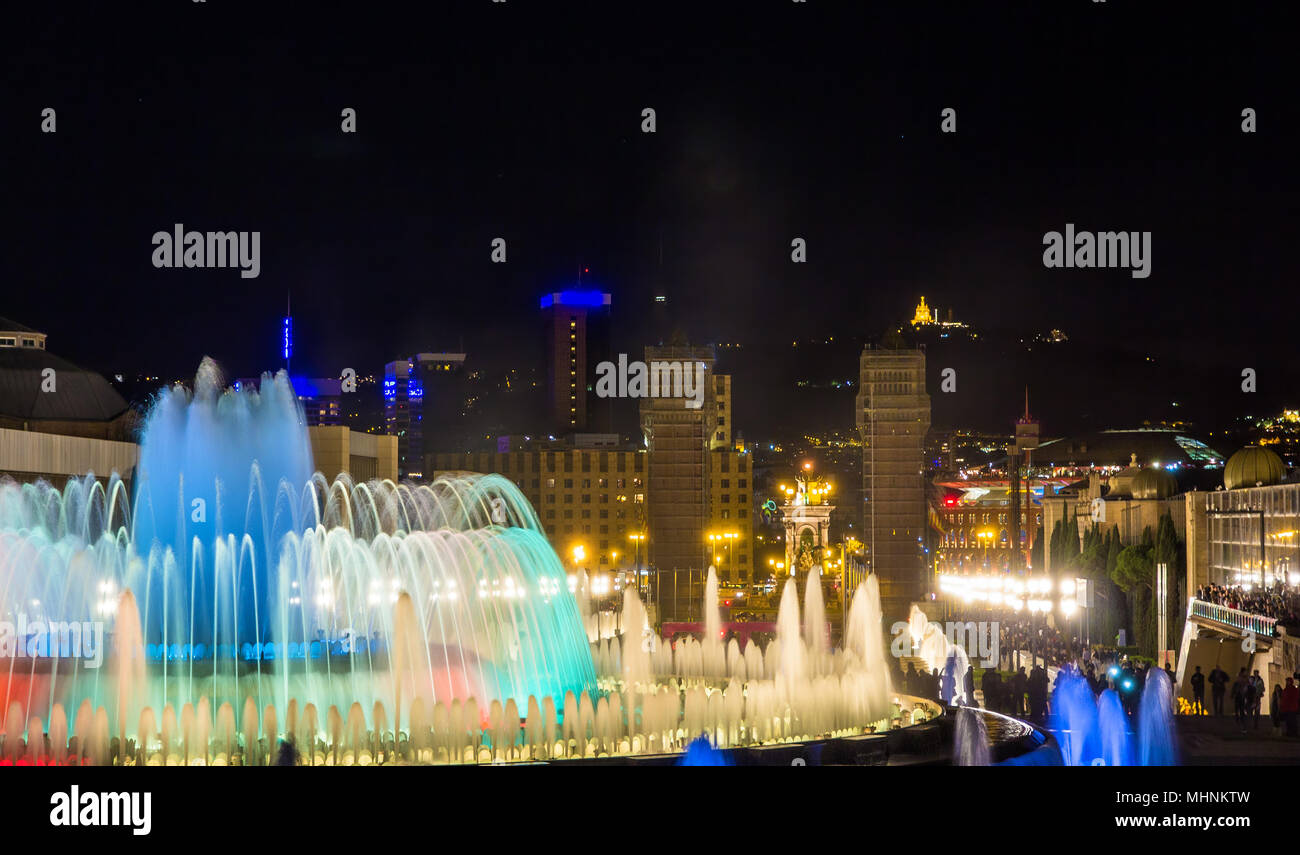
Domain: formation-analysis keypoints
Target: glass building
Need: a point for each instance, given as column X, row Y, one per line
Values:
column 1252, row 533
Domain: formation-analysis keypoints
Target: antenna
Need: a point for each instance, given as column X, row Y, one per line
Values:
column 286, row 333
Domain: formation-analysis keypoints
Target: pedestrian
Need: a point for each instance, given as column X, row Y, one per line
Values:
column 1019, row 685
column 1198, row 692
column 1290, row 706
column 1257, row 684
column 1275, row 709
column 1218, row 687
column 990, row 684
column 1240, row 688
column 1038, row 693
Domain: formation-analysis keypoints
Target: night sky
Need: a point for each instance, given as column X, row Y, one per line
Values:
column 775, row 120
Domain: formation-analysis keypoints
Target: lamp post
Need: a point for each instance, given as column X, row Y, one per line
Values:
column 636, row 546
column 985, row 535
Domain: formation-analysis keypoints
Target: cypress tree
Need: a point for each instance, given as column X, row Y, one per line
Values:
column 1116, row 604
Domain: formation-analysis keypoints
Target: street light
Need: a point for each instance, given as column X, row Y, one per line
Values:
column 636, row 541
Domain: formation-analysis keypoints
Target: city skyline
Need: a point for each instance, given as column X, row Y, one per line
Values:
column 750, row 382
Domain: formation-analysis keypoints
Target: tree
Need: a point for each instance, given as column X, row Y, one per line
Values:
column 1115, row 611
column 1135, row 575
column 1170, row 551
column 1135, row 568
column 892, row 339
column 1092, row 560
column 1036, row 551
column 1070, row 540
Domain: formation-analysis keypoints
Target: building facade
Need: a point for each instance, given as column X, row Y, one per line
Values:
column 893, row 417
column 593, row 498
column 58, row 420
column 365, row 456
column 406, row 384
column 983, row 530
column 572, row 320
column 678, row 438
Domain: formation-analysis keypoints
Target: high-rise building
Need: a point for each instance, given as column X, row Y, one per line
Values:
column 406, row 383
column 893, row 417
column 729, row 514
column 721, row 438
column 698, row 485
column 678, row 438
column 575, row 330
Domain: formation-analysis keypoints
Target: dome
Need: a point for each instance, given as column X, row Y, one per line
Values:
column 1121, row 483
column 1153, row 484
column 77, row 394
column 1251, row 466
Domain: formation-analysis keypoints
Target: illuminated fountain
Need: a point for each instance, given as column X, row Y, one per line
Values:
column 238, row 609
column 251, row 581
column 797, row 690
column 936, row 651
column 1093, row 730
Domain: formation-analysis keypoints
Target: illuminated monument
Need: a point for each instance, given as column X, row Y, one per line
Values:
column 924, row 314
column 926, row 318
column 806, row 515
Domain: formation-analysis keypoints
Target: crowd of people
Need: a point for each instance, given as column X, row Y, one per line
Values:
column 1278, row 602
column 1248, row 698
column 1042, row 642
column 1027, row 691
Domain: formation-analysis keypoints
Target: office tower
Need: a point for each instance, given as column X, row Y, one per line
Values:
column 678, row 439
column 893, row 416
column 576, row 325
column 407, row 382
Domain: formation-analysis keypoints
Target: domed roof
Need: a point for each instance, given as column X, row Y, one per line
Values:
column 1253, row 466
column 1154, row 484
column 77, row 395
column 1121, row 483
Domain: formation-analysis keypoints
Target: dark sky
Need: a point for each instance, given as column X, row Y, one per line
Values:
column 775, row 120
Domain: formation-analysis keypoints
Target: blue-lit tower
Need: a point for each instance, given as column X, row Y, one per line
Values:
column 286, row 333
column 571, row 318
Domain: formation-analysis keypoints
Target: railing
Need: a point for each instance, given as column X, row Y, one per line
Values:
column 1235, row 618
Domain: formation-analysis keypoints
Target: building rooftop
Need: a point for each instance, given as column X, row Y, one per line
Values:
column 7, row 325
column 575, row 298
column 1152, row 446
column 79, row 395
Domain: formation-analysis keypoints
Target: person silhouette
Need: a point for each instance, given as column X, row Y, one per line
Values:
column 1198, row 692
